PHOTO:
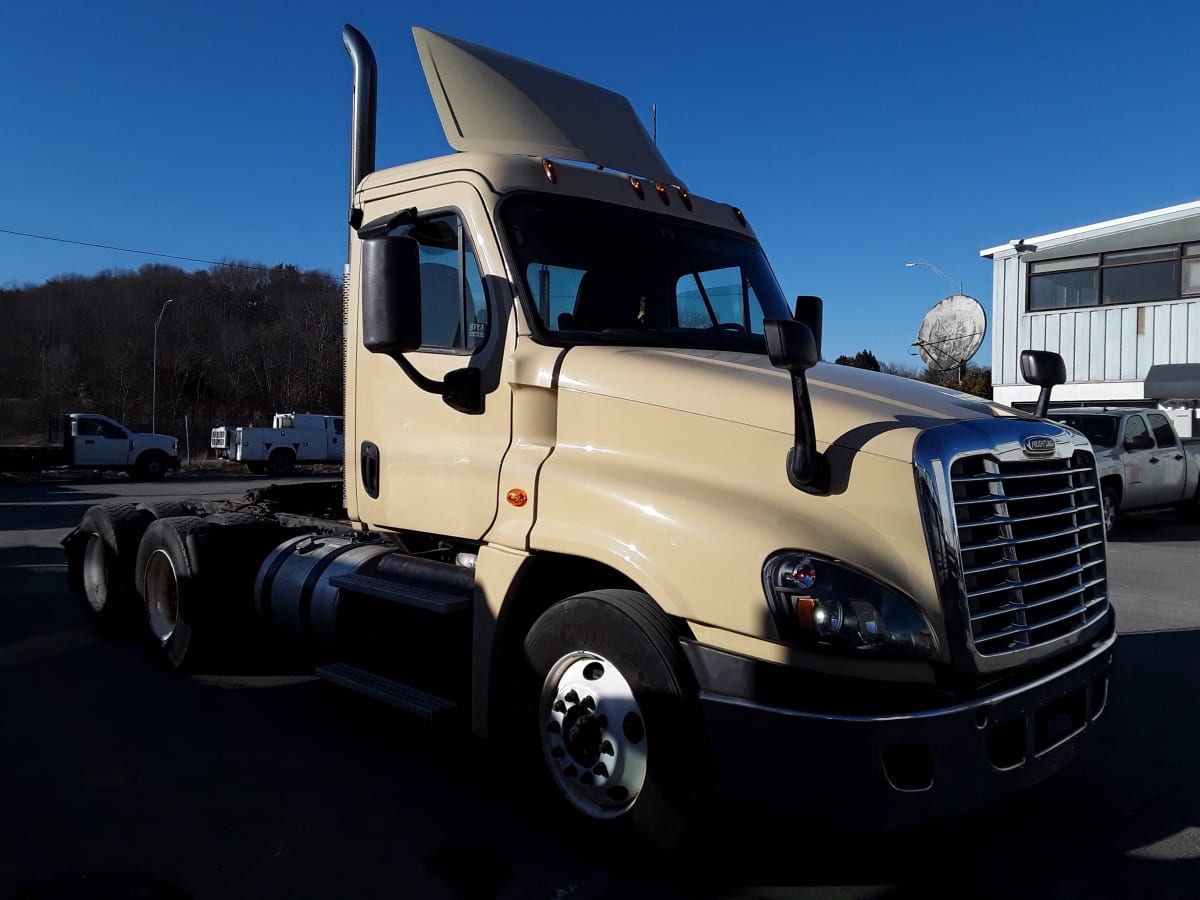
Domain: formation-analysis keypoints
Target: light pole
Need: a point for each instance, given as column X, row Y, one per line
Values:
column 154, row 368
column 937, row 271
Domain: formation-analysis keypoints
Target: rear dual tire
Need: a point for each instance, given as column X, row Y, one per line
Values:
column 103, row 573
column 196, row 578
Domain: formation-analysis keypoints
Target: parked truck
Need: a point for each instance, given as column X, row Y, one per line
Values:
column 91, row 441
column 604, row 505
column 1143, row 463
column 293, row 439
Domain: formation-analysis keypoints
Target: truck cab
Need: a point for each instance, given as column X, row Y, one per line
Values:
column 592, row 401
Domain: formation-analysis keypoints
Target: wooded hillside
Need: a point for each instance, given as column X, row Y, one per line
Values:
column 236, row 343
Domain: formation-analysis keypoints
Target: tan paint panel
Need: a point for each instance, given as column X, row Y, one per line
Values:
column 689, row 507
column 496, row 570
column 438, row 467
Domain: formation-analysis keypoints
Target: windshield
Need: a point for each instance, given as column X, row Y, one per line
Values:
column 597, row 273
column 1100, row 430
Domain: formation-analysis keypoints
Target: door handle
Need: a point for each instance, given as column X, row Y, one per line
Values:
column 1179, row 456
column 1154, row 459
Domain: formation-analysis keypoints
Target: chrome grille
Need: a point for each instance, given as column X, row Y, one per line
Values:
column 1031, row 548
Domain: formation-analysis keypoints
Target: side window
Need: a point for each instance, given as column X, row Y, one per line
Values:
column 87, row 427
column 1164, row 435
column 108, row 430
column 339, row 426
column 1135, row 427
column 728, row 294
column 454, row 310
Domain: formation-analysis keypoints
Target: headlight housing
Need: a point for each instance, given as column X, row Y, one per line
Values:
column 815, row 600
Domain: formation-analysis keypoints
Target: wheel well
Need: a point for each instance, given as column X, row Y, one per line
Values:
column 285, row 450
column 546, row 579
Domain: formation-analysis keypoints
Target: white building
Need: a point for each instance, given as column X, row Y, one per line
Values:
column 1120, row 300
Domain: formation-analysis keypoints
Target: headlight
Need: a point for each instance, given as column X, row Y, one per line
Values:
column 814, row 600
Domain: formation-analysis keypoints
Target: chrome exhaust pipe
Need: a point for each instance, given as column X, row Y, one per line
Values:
column 362, row 117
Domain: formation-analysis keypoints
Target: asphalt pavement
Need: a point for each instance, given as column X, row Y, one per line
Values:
column 121, row 779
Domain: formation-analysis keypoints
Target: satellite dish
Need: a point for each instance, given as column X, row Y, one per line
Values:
column 951, row 332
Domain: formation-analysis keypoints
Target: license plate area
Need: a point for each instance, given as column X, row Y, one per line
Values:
column 1059, row 721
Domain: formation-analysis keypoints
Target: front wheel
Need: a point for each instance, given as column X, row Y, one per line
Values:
column 617, row 717
column 151, row 465
column 1111, row 500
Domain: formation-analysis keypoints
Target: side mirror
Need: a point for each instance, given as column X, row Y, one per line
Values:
column 1043, row 368
column 810, row 311
column 1139, row 442
column 391, row 317
column 792, row 347
column 391, row 294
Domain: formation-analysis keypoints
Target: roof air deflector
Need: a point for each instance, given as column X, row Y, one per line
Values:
column 495, row 103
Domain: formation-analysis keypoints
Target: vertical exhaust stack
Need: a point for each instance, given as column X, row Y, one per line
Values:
column 362, row 117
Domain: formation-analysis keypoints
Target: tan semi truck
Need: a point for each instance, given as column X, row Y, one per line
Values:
column 602, row 500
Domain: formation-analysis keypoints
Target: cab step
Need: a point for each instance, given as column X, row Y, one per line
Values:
column 431, row 599
column 428, row 706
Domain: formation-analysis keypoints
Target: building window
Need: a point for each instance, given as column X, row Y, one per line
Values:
column 1145, row 275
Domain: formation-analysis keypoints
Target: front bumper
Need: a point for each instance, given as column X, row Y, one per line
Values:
column 898, row 769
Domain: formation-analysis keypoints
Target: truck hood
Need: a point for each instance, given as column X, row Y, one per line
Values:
column 146, row 440
column 853, row 408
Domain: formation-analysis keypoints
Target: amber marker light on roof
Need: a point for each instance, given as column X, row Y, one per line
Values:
column 738, row 215
column 548, row 168
column 517, row 497
column 662, row 192
column 686, row 198
column 637, row 186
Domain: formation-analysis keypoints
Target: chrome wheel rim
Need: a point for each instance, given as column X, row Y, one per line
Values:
column 162, row 595
column 593, row 735
column 1110, row 511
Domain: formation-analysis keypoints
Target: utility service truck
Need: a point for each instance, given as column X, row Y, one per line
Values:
column 602, row 501
column 91, row 441
column 293, row 439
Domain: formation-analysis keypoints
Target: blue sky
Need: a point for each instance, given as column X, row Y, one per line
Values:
column 856, row 137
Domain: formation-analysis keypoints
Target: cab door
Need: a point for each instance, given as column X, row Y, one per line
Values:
column 1168, row 467
column 417, row 463
column 98, row 442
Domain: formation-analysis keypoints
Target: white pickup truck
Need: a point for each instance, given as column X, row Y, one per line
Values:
column 92, row 441
column 293, row 439
column 1142, row 462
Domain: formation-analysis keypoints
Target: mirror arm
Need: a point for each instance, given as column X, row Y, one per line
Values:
column 807, row 469
column 426, row 384
column 462, row 389
column 1043, row 402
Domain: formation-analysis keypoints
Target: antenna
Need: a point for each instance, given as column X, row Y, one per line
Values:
column 654, row 116
column 951, row 332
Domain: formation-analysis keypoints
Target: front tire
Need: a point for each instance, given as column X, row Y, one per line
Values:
column 1110, row 499
column 151, row 465
column 617, row 718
